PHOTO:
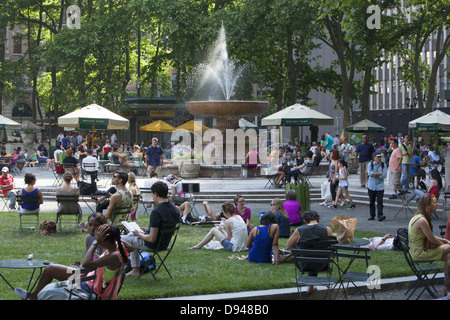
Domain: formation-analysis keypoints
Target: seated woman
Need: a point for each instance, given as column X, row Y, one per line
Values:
column 293, row 208
column 434, row 187
column 132, row 186
column 243, row 211
column 263, row 240
column 30, row 207
column 282, row 217
column 311, row 230
column 109, row 263
column 233, row 236
column 423, row 244
column 67, row 189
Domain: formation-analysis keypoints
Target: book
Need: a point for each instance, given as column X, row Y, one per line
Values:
column 131, row 226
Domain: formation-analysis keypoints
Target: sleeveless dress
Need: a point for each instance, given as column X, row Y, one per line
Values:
column 261, row 250
column 416, row 239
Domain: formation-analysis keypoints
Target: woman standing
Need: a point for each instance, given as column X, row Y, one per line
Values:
column 343, row 185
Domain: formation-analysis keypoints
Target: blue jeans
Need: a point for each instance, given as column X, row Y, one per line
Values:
column 406, row 175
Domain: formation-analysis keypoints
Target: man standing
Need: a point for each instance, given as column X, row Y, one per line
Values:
column 365, row 152
column 7, row 186
column 154, row 157
column 407, row 160
column 328, row 142
column 377, row 171
column 82, row 153
column 395, row 166
column 165, row 212
column 344, row 150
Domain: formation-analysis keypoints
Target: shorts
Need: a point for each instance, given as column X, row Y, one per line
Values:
column 227, row 244
column 343, row 187
column 396, row 176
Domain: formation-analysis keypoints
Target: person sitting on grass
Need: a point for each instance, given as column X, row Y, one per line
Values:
column 293, row 208
column 108, row 264
column 233, row 236
column 283, row 219
column 263, row 240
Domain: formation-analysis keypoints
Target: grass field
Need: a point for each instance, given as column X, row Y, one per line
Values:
column 194, row 271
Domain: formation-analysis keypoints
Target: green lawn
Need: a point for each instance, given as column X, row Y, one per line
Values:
column 194, row 271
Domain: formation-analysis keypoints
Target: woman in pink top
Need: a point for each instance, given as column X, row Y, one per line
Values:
column 293, row 208
column 242, row 210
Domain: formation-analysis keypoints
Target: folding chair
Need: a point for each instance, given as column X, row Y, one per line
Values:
column 306, row 176
column 317, row 258
column 90, row 170
column 403, row 198
column 120, row 214
column 425, row 271
column 144, row 199
column 25, row 215
column 58, row 172
column 347, row 273
column 67, row 200
column 167, row 236
column 77, row 294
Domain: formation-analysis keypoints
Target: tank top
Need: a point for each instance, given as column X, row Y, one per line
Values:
column 313, row 232
column 127, row 198
column 261, row 250
column 30, row 205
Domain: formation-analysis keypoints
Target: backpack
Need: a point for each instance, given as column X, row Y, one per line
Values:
column 400, row 232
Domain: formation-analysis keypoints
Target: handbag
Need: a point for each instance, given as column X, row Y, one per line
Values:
column 325, row 190
column 344, row 228
column 47, row 228
column 285, row 256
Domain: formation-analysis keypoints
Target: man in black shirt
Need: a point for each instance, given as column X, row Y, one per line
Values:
column 165, row 212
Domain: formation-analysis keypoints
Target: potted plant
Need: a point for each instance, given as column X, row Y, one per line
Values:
column 188, row 163
column 28, row 134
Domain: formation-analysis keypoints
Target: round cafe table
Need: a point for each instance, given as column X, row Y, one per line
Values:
column 33, row 264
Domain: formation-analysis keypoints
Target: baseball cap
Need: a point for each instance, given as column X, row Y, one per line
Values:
column 170, row 177
column 89, row 151
column 5, row 169
column 376, row 154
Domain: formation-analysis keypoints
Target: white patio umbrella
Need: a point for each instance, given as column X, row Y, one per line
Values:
column 297, row 115
column 433, row 121
column 364, row 126
column 7, row 123
column 94, row 117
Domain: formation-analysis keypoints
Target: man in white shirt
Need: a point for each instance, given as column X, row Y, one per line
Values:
column 345, row 149
column 90, row 166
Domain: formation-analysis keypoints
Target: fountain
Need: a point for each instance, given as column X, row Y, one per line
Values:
column 218, row 77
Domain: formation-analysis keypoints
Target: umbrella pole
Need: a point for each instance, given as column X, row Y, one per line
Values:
column 92, row 139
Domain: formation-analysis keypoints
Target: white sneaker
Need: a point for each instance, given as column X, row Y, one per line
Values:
column 342, row 203
column 21, row 293
column 324, row 203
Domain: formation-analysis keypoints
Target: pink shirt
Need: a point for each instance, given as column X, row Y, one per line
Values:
column 293, row 210
column 395, row 162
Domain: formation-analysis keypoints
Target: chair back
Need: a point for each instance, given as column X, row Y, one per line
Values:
column 307, row 260
column 27, row 198
column 167, row 235
column 67, row 198
column 89, row 167
column 120, row 214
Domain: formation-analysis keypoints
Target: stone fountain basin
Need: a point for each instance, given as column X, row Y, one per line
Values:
column 229, row 109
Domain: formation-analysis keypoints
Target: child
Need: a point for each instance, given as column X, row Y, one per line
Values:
column 343, row 184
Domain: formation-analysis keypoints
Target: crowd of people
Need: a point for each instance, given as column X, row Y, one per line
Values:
column 234, row 232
